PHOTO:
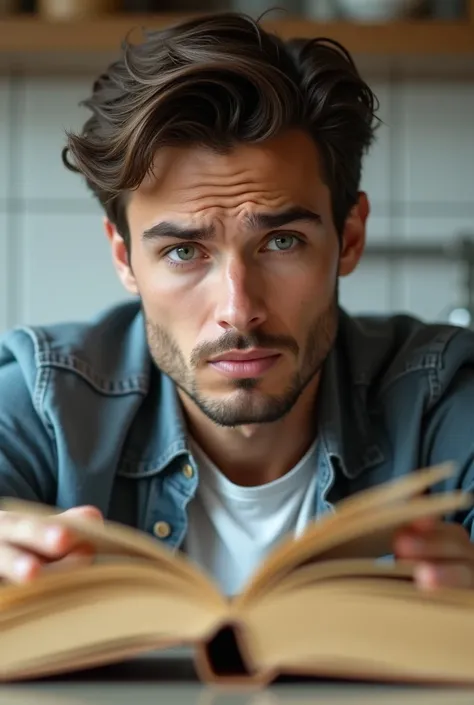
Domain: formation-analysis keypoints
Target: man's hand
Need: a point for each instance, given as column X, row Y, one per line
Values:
column 26, row 546
column 443, row 552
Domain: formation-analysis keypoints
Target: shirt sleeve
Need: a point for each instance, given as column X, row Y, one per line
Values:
column 26, row 451
column 448, row 435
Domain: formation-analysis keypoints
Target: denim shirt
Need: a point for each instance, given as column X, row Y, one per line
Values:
column 86, row 418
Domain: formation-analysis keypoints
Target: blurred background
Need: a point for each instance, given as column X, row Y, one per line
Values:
column 418, row 56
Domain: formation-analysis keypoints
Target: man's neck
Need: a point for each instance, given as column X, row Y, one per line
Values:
column 259, row 453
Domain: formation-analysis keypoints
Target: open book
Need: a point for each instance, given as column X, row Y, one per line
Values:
column 320, row 605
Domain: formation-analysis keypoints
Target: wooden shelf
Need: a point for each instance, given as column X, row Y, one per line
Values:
column 25, row 39
column 105, row 34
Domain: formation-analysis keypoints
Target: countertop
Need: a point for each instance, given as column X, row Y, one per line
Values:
column 153, row 680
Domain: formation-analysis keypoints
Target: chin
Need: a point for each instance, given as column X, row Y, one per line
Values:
column 245, row 407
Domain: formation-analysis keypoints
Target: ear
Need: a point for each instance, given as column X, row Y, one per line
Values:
column 120, row 257
column 353, row 236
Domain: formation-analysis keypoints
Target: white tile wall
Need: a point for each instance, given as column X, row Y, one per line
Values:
column 66, row 269
column 441, row 228
column 378, row 228
column 4, row 319
column 4, row 137
column 367, row 289
column 50, row 106
column 430, row 289
column 376, row 177
column 4, row 164
column 437, row 146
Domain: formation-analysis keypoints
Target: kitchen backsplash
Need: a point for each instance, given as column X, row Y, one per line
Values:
column 54, row 258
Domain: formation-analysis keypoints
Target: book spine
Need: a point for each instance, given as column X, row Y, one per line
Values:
column 223, row 658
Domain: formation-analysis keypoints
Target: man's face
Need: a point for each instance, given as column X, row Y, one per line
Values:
column 235, row 258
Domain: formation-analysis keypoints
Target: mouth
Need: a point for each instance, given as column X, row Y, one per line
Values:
column 241, row 364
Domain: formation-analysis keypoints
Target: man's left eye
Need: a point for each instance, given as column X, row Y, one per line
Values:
column 283, row 242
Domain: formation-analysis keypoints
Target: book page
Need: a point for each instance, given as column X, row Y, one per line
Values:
column 374, row 629
column 398, row 490
column 18, row 600
column 95, row 613
column 340, row 569
column 111, row 539
column 363, row 526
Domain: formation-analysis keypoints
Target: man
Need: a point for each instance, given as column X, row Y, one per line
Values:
column 233, row 401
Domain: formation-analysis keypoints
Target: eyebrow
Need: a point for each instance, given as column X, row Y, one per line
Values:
column 173, row 230
column 262, row 221
column 255, row 221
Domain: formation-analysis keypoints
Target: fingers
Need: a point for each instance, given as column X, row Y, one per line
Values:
column 28, row 547
column 439, row 542
column 432, row 576
column 442, row 552
column 85, row 512
column 18, row 566
column 47, row 540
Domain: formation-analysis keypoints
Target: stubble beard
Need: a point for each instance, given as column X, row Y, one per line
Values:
column 245, row 404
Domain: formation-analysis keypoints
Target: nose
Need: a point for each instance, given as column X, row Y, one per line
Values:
column 240, row 298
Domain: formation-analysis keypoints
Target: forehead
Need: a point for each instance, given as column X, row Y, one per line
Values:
column 284, row 169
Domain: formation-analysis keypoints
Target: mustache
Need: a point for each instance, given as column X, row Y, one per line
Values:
column 235, row 341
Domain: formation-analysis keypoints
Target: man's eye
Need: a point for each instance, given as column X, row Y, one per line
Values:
column 283, row 242
column 183, row 253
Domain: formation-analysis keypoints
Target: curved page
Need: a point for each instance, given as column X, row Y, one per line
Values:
column 337, row 570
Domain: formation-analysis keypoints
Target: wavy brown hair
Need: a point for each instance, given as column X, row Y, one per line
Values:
column 220, row 80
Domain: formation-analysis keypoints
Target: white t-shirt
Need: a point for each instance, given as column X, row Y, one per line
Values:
column 232, row 528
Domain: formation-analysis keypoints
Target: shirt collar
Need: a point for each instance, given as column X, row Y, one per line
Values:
column 342, row 414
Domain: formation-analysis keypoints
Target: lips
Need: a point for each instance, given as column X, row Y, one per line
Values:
column 244, row 355
column 248, row 364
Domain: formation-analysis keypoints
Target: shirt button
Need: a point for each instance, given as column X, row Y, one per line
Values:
column 188, row 471
column 162, row 529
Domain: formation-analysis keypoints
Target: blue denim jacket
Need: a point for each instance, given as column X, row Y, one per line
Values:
column 85, row 417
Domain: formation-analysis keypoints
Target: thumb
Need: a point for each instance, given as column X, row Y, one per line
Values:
column 85, row 512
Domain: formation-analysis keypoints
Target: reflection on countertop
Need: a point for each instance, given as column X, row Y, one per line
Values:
column 158, row 680
column 181, row 694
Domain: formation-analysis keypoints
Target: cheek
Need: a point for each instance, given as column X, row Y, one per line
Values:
column 306, row 292
column 172, row 301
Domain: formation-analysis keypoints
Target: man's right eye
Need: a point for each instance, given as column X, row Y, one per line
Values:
column 183, row 253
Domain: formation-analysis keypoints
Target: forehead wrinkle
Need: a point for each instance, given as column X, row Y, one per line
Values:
column 245, row 201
